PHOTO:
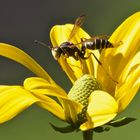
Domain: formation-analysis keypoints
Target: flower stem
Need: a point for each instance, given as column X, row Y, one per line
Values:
column 88, row 135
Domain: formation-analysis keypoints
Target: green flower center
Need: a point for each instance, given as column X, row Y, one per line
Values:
column 81, row 91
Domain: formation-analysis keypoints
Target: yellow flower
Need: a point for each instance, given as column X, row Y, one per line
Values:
column 95, row 99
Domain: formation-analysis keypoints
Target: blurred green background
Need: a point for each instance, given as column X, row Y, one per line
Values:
column 23, row 21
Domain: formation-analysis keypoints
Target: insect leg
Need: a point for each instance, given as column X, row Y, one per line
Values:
column 102, row 67
column 83, row 39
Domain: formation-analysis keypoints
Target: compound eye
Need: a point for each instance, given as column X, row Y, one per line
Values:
column 56, row 53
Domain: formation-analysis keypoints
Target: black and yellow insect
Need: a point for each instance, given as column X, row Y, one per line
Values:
column 68, row 49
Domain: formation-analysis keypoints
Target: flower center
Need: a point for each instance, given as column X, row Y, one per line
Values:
column 81, row 91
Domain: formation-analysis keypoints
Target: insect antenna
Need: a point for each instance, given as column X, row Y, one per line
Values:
column 42, row 44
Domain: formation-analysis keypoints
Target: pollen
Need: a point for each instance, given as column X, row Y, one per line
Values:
column 81, row 91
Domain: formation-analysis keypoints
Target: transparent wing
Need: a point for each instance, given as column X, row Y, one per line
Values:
column 79, row 21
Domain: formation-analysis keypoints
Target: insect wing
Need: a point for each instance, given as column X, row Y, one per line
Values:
column 79, row 21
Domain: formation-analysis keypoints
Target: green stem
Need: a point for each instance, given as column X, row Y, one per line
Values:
column 88, row 135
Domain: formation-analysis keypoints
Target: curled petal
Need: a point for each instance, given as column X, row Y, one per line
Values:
column 13, row 100
column 129, row 82
column 126, row 41
column 130, row 41
column 21, row 57
column 67, row 110
column 133, row 64
column 102, row 107
column 50, row 105
column 40, row 87
column 126, row 92
column 36, row 83
column 127, row 96
column 88, row 124
column 72, row 109
column 128, row 33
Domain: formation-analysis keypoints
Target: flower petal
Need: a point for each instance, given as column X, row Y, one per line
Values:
column 72, row 109
column 36, row 83
column 88, row 124
column 102, row 108
column 133, row 64
column 49, row 104
column 128, row 32
column 129, row 35
column 128, row 95
column 129, row 82
column 66, row 109
column 39, row 87
column 13, row 100
column 21, row 57
column 109, row 72
column 126, row 43
column 73, row 68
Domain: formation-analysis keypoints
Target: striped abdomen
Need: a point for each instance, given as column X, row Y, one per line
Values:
column 98, row 43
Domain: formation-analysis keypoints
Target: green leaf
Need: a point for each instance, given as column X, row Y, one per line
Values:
column 66, row 129
column 121, row 122
column 101, row 129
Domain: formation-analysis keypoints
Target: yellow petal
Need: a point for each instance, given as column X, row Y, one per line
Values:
column 60, row 34
column 130, row 66
column 128, row 33
column 50, row 105
column 102, row 108
column 34, row 83
column 21, row 57
column 108, row 74
column 129, row 82
column 130, row 41
column 66, row 109
column 13, row 100
column 72, row 109
column 126, row 92
column 88, row 124
column 73, row 68
column 127, row 96
column 39, row 87
column 126, row 41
